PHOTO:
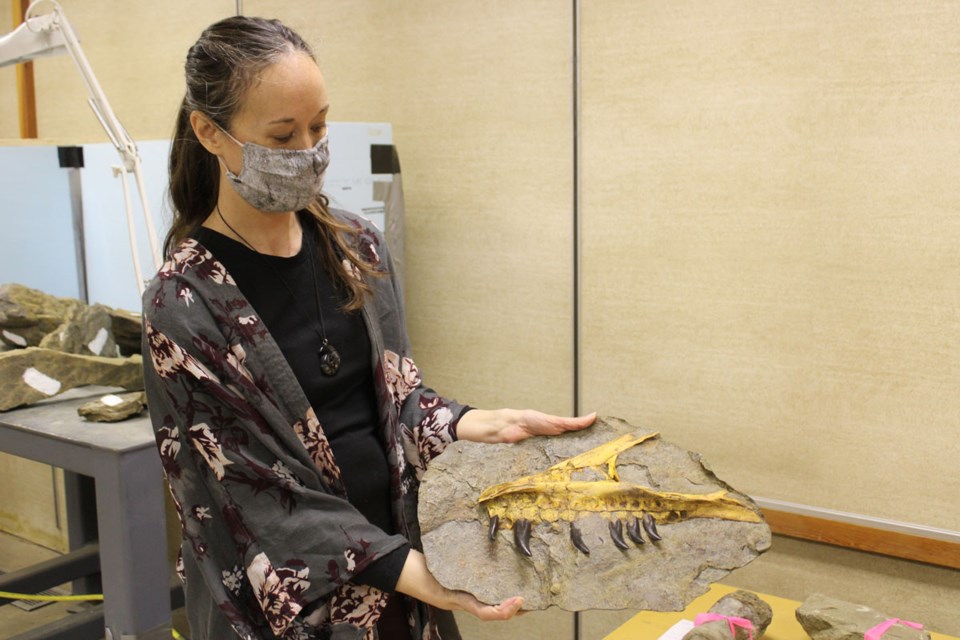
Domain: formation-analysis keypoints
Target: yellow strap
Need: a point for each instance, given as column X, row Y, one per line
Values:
column 25, row 596
column 93, row 596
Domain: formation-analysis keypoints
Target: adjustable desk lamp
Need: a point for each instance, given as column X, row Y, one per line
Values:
column 51, row 34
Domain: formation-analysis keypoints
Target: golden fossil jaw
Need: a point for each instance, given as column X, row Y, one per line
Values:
column 552, row 495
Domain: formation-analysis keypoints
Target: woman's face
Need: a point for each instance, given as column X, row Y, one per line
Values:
column 285, row 108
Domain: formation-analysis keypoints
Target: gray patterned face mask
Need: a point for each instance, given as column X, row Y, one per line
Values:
column 279, row 180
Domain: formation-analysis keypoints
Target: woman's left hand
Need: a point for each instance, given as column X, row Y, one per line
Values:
column 512, row 425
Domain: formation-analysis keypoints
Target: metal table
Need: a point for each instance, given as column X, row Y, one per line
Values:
column 122, row 459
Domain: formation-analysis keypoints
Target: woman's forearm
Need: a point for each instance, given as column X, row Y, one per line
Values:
column 417, row 581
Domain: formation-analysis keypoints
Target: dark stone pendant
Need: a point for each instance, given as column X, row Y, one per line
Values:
column 329, row 359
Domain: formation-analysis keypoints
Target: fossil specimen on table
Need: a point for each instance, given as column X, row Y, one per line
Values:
column 56, row 344
column 33, row 374
column 826, row 618
column 554, row 496
column 573, row 521
column 743, row 607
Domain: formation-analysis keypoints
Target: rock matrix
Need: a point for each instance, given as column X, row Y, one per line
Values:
column 739, row 604
column 114, row 408
column 618, row 572
column 52, row 344
column 826, row 618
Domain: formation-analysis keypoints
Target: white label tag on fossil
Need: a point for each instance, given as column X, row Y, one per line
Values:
column 111, row 400
column 41, row 382
column 96, row 345
column 20, row 341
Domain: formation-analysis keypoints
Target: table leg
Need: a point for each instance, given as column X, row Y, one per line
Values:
column 79, row 494
column 133, row 561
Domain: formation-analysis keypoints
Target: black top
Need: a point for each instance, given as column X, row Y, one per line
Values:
column 282, row 291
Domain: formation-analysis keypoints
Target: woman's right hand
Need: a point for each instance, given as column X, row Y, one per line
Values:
column 417, row 581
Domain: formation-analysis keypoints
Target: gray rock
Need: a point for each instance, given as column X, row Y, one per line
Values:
column 43, row 325
column 32, row 318
column 33, row 374
column 86, row 331
column 27, row 315
column 826, row 618
column 114, row 408
column 127, row 329
column 662, row 576
column 739, row 604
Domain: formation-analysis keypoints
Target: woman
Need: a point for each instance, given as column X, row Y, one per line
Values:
column 291, row 421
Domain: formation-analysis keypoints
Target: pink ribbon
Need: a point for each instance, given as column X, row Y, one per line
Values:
column 877, row 632
column 733, row 621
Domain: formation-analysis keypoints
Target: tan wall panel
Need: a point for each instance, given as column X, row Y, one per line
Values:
column 479, row 95
column 771, row 242
column 137, row 50
column 490, row 235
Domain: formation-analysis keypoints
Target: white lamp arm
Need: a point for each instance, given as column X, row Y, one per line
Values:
column 51, row 34
column 97, row 99
column 30, row 41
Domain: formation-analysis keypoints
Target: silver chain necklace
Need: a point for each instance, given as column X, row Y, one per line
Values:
column 329, row 356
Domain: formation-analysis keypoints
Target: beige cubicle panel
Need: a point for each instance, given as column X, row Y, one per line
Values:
column 772, row 243
column 771, row 251
column 137, row 50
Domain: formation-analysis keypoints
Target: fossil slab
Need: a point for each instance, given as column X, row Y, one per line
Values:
column 826, row 618
column 86, row 331
column 127, row 330
column 584, row 555
column 52, row 344
column 33, row 374
column 114, row 408
column 32, row 318
column 28, row 315
column 739, row 604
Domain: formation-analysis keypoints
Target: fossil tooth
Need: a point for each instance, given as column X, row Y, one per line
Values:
column 578, row 539
column 521, row 535
column 650, row 526
column 616, row 534
column 494, row 525
column 633, row 531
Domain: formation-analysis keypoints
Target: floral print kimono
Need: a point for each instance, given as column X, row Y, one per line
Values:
column 270, row 542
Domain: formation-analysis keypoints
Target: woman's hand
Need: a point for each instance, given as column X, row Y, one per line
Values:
column 417, row 581
column 511, row 425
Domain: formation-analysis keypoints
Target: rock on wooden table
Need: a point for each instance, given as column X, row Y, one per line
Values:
column 739, row 604
column 826, row 618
